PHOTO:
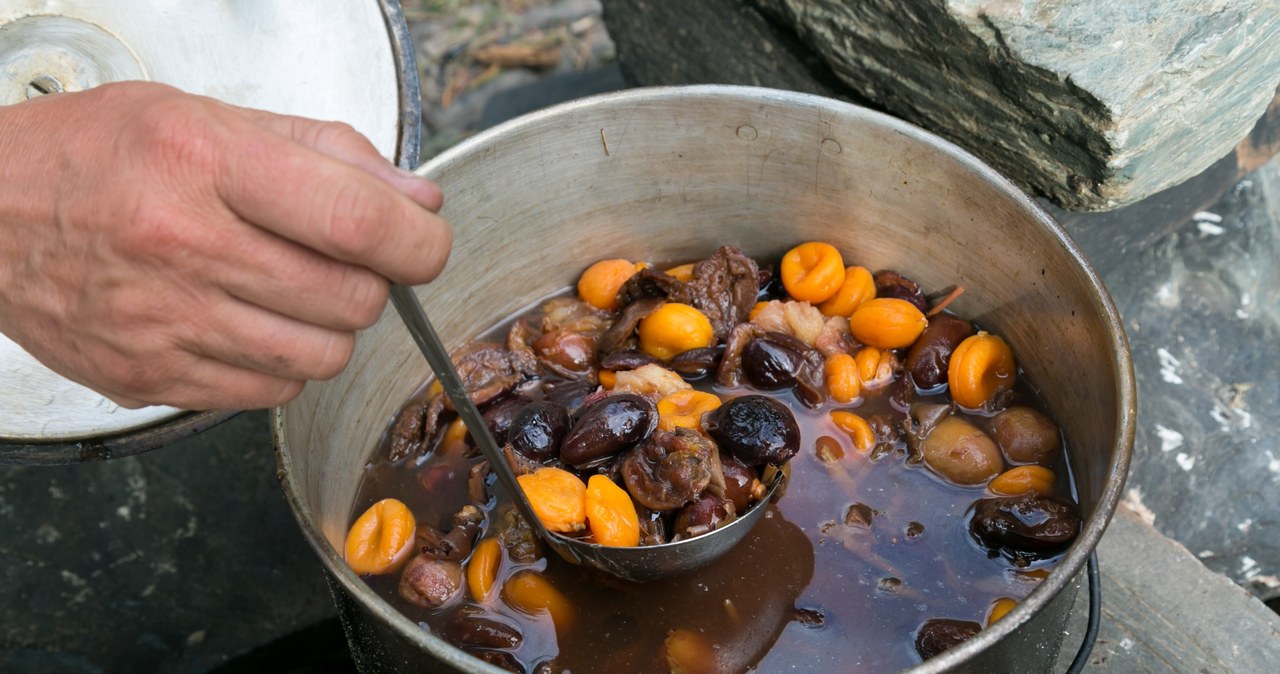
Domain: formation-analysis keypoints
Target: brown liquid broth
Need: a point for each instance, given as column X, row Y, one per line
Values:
column 800, row 555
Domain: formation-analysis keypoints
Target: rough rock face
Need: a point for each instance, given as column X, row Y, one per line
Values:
column 1094, row 105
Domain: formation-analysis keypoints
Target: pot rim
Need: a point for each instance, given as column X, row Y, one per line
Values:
column 1125, row 394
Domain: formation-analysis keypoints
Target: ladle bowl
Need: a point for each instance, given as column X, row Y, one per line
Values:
column 638, row 563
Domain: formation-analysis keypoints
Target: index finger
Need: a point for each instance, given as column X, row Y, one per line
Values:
column 330, row 206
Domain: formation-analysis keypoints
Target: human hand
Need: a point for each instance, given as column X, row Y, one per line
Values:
column 164, row 248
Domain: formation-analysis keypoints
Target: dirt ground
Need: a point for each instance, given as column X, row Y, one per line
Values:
column 470, row 52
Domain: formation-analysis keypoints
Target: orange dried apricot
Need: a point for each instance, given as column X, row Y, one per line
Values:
column 981, row 368
column 381, row 538
column 684, row 409
column 611, row 514
column 599, row 284
column 674, row 328
column 682, row 273
column 887, row 323
column 482, row 570
column 812, row 272
column 558, row 498
column 875, row 366
column 858, row 287
column 455, row 438
column 1023, row 480
column 841, row 373
column 689, row 652
column 857, row 428
column 999, row 608
column 530, row 592
column 607, row 378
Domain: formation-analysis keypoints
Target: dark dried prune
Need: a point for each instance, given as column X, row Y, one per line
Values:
column 1024, row 528
column 498, row 417
column 607, row 427
column 928, row 358
column 937, row 635
column 775, row 361
column 538, row 429
column 754, row 428
column 708, row 513
column 741, row 484
column 890, row 283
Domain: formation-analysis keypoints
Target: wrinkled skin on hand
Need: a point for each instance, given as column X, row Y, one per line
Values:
column 164, row 248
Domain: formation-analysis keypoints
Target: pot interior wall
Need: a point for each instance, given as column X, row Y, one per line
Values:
column 669, row 175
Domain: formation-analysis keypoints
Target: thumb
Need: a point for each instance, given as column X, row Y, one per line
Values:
column 343, row 142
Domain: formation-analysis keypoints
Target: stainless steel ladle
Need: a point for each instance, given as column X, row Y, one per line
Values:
column 641, row 563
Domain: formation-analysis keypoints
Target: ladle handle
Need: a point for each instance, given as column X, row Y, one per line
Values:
column 415, row 319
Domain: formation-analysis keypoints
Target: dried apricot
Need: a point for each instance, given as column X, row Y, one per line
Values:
column 600, row 283
column 380, row 539
column 558, row 498
column 812, row 272
column 674, row 328
column 611, row 514
column 682, row 273
column 1023, row 480
column 887, row 323
column 858, row 287
column 876, row 367
column 534, row 594
column 981, row 368
column 607, row 378
column 482, row 570
column 857, row 428
column 999, row 608
column 841, row 373
column 689, row 652
column 684, row 409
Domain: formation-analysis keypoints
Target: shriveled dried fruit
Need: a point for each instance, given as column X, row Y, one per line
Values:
column 1000, row 608
column 381, row 539
column 843, row 382
column 607, row 427
column 430, row 583
column 674, row 328
column 532, row 593
column 1024, row 528
column 929, row 357
column 887, row 323
column 611, row 514
column 981, row 368
column 558, row 498
column 813, row 271
column 685, row 409
column 756, row 429
column 482, row 569
column 864, row 438
column 938, row 635
column 1023, row 480
column 600, row 283
column 858, row 287
column 688, row 652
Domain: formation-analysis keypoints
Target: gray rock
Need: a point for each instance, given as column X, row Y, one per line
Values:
column 1094, row 105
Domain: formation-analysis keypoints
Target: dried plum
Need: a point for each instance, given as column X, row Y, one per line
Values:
column 538, row 429
column 607, row 427
column 1024, row 528
column 756, row 429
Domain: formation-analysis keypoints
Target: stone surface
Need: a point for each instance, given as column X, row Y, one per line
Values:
column 169, row 562
column 1195, row 274
column 1093, row 104
column 1161, row 612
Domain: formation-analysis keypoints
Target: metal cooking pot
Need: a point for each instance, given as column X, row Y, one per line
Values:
column 670, row 174
column 336, row 59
